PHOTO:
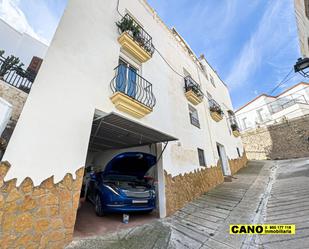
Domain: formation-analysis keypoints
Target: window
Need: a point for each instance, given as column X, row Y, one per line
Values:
column 209, row 97
column 306, row 2
column 201, row 157
column 185, row 72
column 212, row 81
column 260, row 115
column 126, row 80
column 204, row 71
column 194, row 116
column 244, row 123
column 238, row 152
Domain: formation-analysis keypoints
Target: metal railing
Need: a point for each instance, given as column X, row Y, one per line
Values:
column 127, row 81
column 285, row 103
column 129, row 25
column 214, row 106
column 233, row 121
column 191, row 85
column 18, row 78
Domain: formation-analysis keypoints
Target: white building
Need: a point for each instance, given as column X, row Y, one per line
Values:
column 302, row 19
column 101, row 91
column 20, row 44
column 265, row 109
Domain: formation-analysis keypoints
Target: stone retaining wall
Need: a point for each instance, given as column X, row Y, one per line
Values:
column 286, row 140
column 38, row 217
column 182, row 189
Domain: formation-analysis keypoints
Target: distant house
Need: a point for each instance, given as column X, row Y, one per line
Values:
column 21, row 45
column 265, row 109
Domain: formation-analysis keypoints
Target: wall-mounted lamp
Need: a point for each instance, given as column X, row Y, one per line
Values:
column 302, row 67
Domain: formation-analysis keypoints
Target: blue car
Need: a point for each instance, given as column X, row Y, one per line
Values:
column 122, row 187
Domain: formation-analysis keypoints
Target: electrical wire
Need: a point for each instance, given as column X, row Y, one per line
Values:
column 118, row 8
column 169, row 65
column 281, row 82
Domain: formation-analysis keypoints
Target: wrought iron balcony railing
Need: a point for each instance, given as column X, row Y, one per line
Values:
column 128, row 82
column 215, row 107
column 18, row 78
column 191, row 85
column 138, row 34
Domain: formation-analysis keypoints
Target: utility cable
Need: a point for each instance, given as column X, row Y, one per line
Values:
column 281, row 82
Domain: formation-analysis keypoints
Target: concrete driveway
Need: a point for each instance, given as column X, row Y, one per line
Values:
column 264, row 192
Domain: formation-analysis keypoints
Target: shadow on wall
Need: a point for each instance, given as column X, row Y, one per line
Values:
column 289, row 139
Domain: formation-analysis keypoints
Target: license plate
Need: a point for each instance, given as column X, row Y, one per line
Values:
column 139, row 201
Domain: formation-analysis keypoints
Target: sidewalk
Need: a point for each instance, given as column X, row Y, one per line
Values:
column 204, row 223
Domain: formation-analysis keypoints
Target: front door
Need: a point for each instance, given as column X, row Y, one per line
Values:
column 223, row 160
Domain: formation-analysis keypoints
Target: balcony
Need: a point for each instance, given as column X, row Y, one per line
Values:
column 286, row 102
column 215, row 110
column 17, row 77
column 234, row 125
column 193, row 91
column 132, row 94
column 235, row 129
column 134, row 39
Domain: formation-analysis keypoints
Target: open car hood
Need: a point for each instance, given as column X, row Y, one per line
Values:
column 130, row 164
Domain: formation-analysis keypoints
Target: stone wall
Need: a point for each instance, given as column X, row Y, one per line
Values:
column 38, row 217
column 182, row 189
column 15, row 97
column 289, row 139
column 237, row 164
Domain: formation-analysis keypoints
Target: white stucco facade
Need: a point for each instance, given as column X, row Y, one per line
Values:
column 19, row 44
column 302, row 19
column 266, row 109
column 74, row 81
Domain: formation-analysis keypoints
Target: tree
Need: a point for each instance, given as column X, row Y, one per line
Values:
column 9, row 63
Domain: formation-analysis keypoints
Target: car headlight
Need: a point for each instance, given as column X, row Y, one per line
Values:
column 112, row 188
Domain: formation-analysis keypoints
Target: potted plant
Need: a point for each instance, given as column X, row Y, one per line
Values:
column 216, row 109
column 128, row 25
column 234, row 127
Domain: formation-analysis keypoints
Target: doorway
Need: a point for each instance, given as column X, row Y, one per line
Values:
column 223, row 160
column 113, row 185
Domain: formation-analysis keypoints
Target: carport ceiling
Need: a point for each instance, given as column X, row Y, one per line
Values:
column 115, row 132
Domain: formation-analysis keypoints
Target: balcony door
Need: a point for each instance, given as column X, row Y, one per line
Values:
column 126, row 81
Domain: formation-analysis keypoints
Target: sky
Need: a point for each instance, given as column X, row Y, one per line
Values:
column 252, row 44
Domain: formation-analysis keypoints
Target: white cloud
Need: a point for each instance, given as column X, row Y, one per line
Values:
column 12, row 14
column 271, row 37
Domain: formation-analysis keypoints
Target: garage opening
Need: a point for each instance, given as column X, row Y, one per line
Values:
column 123, row 181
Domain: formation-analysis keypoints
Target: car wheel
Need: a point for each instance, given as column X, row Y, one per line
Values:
column 98, row 206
